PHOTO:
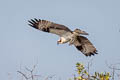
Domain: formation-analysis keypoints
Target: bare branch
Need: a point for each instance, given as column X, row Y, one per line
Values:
column 112, row 66
column 49, row 77
column 24, row 75
column 29, row 75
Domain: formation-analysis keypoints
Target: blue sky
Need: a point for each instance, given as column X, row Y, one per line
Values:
column 21, row 45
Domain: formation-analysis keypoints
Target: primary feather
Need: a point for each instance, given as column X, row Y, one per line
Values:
column 85, row 46
column 48, row 26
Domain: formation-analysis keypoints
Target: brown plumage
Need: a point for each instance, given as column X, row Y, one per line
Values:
column 48, row 26
column 66, row 35
column 85, row 46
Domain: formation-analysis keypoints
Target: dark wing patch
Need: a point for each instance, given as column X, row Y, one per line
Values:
column 85, row 46
column 48, row 26
column 34, row 23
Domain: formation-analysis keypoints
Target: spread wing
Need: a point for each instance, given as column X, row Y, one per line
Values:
column 50, row 27
column 85, row 46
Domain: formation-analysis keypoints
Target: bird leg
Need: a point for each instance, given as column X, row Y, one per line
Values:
column 71, row 42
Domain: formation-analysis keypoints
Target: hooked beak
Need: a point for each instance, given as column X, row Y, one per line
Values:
column 57, row 42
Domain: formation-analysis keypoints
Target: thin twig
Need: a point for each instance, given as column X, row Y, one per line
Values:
column 23, row 75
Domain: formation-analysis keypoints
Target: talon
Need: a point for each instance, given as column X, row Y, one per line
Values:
column 71, row 42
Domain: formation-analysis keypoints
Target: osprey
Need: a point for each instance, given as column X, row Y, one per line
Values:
column 66, row 35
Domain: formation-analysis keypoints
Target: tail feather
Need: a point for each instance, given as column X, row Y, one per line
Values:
column 80, row 32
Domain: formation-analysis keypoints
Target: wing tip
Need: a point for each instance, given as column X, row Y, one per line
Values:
column 91, row 53
column 39, row 24
column 34, row 23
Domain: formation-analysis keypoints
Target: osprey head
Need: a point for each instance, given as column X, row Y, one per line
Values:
column 62, row 40
column 58, row 42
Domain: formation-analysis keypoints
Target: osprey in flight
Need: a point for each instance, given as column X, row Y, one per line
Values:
column 66, row 35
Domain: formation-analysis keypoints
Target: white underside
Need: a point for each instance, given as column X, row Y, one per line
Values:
column 62, row 40
column 68, row 38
